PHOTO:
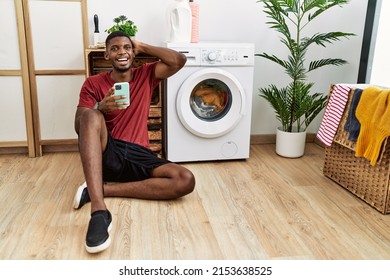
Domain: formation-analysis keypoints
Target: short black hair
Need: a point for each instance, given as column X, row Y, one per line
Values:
column 115, row 34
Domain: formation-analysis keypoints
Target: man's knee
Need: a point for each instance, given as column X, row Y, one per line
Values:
column 185, row 183
column 91, row 119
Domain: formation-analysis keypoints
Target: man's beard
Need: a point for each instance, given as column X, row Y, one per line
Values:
column 121, row 69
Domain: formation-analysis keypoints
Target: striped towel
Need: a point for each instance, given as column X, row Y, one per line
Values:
column 333, row 112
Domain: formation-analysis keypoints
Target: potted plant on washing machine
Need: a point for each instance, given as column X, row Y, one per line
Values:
column 294, row 105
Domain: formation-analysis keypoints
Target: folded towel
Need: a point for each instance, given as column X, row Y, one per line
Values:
column 352, row 124
column 373, row 113
column 333, row 113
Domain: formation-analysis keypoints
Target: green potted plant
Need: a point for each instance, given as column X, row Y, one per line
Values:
column 122, row 23
column 294, row 105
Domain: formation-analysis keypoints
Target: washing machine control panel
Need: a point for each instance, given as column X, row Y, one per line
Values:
column 220, row 57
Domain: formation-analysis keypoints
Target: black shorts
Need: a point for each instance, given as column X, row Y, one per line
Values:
column 128, row 162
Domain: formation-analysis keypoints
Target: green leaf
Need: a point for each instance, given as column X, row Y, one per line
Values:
column 325, row 5
column 324, row 62
column 323, row 38
column 273, row 58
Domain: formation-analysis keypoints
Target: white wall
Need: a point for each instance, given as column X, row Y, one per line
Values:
column 379, row 70
column 244, row 21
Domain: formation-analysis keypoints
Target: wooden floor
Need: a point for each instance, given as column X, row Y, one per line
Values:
column 266, row 207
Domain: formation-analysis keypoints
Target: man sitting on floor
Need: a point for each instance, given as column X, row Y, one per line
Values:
column 113, row 136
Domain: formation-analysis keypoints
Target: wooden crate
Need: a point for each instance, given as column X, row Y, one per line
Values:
column 155, row 130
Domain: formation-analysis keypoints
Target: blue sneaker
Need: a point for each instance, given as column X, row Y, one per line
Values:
column 98, row 239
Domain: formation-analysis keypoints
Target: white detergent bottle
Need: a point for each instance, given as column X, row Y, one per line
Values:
column 181, row 22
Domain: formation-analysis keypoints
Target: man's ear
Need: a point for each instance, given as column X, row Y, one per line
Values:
column 106, row 56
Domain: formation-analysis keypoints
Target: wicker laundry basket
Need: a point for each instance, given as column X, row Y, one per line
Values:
column 369, row 183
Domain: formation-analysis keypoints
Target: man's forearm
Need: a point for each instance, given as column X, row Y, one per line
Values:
column 167, row 56
column 171, row 61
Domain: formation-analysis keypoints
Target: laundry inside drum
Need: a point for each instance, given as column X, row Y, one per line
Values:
column 210, row 100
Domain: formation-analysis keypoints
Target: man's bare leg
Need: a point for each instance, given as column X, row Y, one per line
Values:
column 169, row 181
column 92, row 141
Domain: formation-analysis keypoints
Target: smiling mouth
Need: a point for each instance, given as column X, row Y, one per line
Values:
column 123, row 60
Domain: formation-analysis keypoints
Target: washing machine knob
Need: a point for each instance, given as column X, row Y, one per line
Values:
column 212, row 56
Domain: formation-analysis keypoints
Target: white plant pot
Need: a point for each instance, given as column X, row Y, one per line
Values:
column 290, row 144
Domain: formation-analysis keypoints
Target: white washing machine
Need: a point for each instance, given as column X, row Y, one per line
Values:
column 208, row 103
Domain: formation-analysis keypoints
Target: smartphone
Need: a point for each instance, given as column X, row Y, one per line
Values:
column 122, row 89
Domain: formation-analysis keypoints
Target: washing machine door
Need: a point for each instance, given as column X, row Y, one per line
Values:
column 210, row 102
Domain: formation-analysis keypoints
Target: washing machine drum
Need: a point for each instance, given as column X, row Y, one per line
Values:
column 210, row 102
